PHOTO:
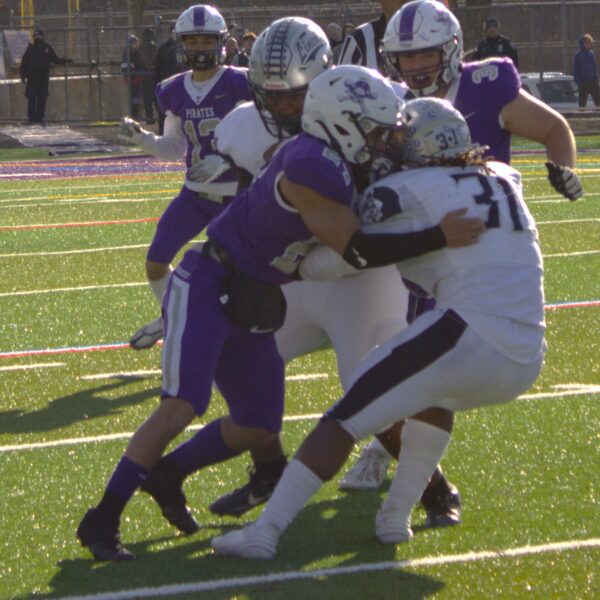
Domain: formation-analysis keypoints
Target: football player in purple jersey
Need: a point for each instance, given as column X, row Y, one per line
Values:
column 224, row 302
column 194, row 103
column 423, row 46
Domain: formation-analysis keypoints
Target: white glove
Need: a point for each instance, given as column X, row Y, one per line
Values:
column 323, row 263
column 207, row 169
column 131, row 130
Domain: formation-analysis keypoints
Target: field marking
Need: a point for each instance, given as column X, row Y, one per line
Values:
column 68, row 252
column 32, row 366
column 123, row 345
column 568, row 254
column 570, row 389
column 567, row 221
column 75, row 203
column 154, row 372
column 80, row 224
column 135, row 246
column 286, row 576
column 82, row 288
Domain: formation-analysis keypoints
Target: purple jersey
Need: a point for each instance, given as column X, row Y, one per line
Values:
column 484, row 89
column 201, row 105
column 267, row 237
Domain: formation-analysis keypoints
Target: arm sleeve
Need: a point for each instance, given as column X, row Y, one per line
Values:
column 170, row 146
column 366, row 250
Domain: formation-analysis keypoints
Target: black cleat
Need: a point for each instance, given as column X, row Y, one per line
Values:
column 257, row 491
column 102, row 538
column 164, row 485
column 441, row 501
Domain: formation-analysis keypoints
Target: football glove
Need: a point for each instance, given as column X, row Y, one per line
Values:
column 207, row 169
column 131, row 130
column 564, row 180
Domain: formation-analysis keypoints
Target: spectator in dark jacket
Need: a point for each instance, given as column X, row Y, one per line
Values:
column 585, row 72
column 148, row 57
column 35, row 73
column 166, row 65
column 132, row 68
column 494, row 44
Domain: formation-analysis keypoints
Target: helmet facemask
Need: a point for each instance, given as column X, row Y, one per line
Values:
column 202, row 60
column 279, row 123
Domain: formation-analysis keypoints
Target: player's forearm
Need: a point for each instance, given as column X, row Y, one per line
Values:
column 366, row 250
column 560, row 145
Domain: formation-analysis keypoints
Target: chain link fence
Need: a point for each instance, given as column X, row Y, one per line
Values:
column 95, row 88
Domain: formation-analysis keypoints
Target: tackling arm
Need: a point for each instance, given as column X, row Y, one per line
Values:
column 338, row 227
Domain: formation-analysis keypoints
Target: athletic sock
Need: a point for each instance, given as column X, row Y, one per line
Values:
column 423, row 446
column 295, row 488
column 125, row 480
column 207, row 447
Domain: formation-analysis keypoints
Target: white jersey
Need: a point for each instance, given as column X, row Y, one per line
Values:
column 241, row 124
column 496, row 285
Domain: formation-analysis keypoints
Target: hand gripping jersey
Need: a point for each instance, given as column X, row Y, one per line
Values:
column 480, row 93
column 494, row 284
column 264, row 235
column 200, row 106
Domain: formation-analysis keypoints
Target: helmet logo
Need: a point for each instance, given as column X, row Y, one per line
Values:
column 358, row 92
column 306, row 47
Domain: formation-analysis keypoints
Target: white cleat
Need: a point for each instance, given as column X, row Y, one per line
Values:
column 368, row 472
column 392, row 528
column 251, row 542
column 148, row 335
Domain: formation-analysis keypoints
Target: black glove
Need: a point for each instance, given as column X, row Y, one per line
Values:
column 564, row 180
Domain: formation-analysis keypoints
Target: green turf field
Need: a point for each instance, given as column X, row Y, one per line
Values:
column 528, row 471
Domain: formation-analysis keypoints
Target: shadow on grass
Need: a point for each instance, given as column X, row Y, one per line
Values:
column 318, row 539
column 85, row 404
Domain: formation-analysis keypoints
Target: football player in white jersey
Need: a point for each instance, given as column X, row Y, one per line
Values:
column 488, row 93
column 194, row 102
column 483, row 344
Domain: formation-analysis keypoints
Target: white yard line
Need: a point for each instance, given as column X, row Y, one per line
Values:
column 570, row 389
column 82, row 288
column 32, row 366
column 287, row 576
column 67, row 252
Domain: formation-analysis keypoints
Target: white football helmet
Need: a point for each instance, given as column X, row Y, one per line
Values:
column 432, row 128
column 201, row 19
column 424, row 25
column 344, row 104
column 285, row 58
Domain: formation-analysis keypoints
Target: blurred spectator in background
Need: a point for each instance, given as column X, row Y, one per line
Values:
column 35, row 73
column 148, row 58
column 348, row 29
column 334, row 35
column 165, row 65
column 243, row 57
column 132, row 67
column 585, row 72
column 231, row 51
column 494, row 44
